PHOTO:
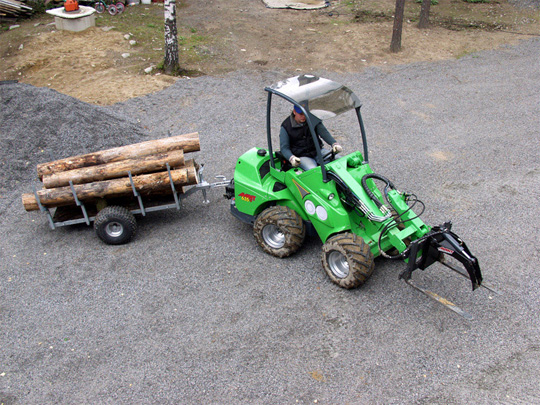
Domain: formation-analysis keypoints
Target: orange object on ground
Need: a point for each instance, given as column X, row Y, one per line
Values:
column 71, row 5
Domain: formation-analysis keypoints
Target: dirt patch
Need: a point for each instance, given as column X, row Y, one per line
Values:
column 101, row 65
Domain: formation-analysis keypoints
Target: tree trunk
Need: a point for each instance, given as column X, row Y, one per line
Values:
column 145, row 184
column 171, row 63
column 145, row 164
column 424, row 14
column 395, row 45
column 187, row 142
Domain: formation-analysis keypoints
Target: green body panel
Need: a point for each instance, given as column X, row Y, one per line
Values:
column 319, row 203
column 254, row 185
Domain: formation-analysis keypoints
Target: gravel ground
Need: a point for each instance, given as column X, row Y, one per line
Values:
column 192, row 311
column 526, row 3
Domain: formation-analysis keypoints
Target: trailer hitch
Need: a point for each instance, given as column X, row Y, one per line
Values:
column 432, row 247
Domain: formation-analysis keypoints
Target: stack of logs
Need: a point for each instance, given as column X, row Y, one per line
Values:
column 105, row 174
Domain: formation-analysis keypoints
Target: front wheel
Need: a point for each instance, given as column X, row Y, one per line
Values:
column 112, row 9
column 279, row 231
column 115, row 225
column 100, row 7
column 347, row 260
column 120, row 7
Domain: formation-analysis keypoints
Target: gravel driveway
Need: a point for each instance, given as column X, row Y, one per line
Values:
column 192, row 311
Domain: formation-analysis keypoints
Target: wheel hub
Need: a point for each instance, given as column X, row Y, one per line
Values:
column 273, row 236
column 338, row 263
column 114, row 229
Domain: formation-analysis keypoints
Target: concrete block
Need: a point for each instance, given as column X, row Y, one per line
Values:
column 74, row 20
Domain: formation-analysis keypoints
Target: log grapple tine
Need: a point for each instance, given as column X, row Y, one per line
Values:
column 448, row 304
column 432, row 246
column 455, row 270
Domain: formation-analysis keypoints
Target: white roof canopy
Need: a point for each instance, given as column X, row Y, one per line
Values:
column 322, row 97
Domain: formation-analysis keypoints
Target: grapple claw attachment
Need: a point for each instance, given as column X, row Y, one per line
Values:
column 427, row 250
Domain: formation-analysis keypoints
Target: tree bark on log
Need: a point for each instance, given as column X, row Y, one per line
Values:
column 145, row 164
column 186, row 142
column 145, row 184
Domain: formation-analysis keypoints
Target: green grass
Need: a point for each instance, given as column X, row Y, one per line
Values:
column 146, row 25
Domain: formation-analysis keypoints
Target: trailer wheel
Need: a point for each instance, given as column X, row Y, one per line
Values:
column 279, row 231
column 347, row 260
column 115, row 225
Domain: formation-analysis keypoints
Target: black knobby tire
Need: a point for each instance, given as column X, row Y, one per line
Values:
column 279, row 231
column 115, row 225
column 347, row 260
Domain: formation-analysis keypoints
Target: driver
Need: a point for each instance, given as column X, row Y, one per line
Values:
column 296, row 142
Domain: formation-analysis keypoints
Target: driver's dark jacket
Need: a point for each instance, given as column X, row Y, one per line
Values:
column 295, row 139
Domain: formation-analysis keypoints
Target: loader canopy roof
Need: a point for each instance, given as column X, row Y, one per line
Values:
column 322, row 97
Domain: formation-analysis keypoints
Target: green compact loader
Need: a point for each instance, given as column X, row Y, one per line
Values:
column 339, row 200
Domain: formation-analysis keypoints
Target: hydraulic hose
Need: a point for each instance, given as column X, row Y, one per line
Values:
column 368, row 190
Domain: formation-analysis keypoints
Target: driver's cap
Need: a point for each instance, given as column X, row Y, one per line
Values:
column 298, row 109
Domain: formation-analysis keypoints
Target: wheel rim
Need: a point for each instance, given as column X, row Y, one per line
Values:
column 338, row 263
column 273, row 236
column 114, row 229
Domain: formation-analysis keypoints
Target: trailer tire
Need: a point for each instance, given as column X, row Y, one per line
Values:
column 279, row 231
column 115, row 225
column 347, row 260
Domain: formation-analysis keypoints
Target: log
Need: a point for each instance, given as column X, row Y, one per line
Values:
column 144, row 164
column 145, row 184
column 187, row 142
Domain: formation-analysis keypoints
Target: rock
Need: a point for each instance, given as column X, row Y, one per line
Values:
column 149, row 69
column 126, row 55
column 132, row 42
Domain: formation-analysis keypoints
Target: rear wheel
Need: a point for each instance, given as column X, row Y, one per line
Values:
column 279, row 231
column 120, row 7
column 347, row 260
column 112, row 9
column 115, row 225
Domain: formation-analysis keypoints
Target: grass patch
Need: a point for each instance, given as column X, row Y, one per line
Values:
column 147, row 28
column 456, row 15
column 369, row 16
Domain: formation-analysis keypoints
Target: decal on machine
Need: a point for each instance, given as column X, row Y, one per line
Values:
column 247, row 197
column 445, row 250
column 303, row 192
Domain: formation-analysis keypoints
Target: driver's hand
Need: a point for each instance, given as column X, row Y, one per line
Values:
column 336, row 148
column 295, row 161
